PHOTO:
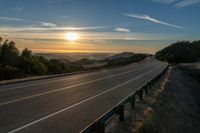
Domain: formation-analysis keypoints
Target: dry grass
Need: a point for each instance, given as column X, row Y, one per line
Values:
column 172, row 107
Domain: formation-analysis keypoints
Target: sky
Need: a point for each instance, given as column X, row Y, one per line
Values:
column 143, row 26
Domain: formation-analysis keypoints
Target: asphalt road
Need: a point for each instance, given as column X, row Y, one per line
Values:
column 69, row 104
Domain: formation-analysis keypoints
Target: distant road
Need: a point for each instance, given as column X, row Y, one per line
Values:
column 69, row 104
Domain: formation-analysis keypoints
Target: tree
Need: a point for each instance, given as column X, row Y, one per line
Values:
column 16, row 65
column 9, row 54
column 1, row 39
column 26, row 53
column 0, row 50
column 37, row 67
column 31, row 64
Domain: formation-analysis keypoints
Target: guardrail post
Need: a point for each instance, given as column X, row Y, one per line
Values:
column 133, row 101
column 121, row 112
column 146, row 89
column 100, row 127
column 149, row 86
column 153, row 82
column 141, row 94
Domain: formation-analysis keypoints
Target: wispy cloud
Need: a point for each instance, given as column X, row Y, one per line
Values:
column 11, row 19
column 42, row 24
column 179, row 3
column 165, row 1
column 64, row 17
column 46, row 24
column 122, row 29
column 185, row 3
column 55, row 1
column 146, row 17
column 48, row 29
column 51, row 1
column 17, row 8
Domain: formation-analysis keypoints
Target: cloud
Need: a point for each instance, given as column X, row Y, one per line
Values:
column 11, row 19
column 83, row 28
column 18, row 8
column 122, row 30
column 165, row 1
column 51, row 1
column 185, row 3
column 55, row 1
column 45, row 24
column 42, row 24
column 146, row 17
column 48, row 29
column 179, row 3
column 63, row 17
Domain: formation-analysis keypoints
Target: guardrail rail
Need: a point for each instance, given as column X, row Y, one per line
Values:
column 98, row 126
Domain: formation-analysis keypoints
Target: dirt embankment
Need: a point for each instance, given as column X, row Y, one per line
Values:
column 172, row 107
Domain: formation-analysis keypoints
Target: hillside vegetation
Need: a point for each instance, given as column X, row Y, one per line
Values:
column 125, row 58
column 180, row 52
column 14, row 64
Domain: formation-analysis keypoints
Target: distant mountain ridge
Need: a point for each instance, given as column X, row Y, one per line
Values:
column 75, row 56
column 121, row 55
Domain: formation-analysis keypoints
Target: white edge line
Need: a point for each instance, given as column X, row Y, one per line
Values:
column 41, row 82
column 118, row 103
column 65, row 88
column 48, row 81
column 76, row 104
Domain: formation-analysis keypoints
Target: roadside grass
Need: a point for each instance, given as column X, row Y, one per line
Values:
column 149, row 124
column 176, row 109
column 191, row 71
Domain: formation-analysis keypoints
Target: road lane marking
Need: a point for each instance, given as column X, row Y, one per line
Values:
column 50, row 81
column 65, row 88
column 76, row 104
column 43, row 82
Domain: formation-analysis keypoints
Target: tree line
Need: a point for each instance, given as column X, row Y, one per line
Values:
column 180, row 52
column 16, row 64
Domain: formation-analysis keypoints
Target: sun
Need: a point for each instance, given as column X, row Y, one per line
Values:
column 72, row 36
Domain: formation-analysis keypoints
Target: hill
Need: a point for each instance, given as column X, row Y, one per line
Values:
column 125, row 58
column 180, row 52
column 121, row 55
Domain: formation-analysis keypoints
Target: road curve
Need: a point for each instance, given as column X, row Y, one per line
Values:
column 70, row 103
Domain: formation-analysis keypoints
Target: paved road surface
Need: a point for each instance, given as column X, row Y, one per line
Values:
column 70, row 103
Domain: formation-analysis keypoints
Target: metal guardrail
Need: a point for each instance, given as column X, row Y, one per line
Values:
column 98, row 126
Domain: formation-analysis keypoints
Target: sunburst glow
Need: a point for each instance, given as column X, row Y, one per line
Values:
column 72, row 36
